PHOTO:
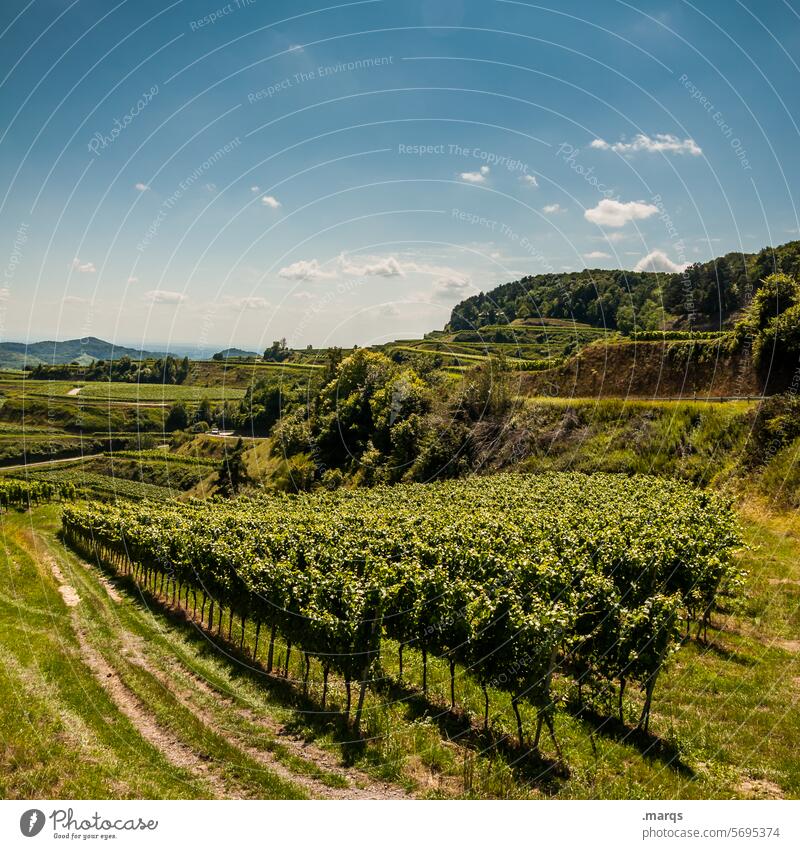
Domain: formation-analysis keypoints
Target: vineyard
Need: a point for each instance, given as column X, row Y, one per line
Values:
column 99, row 485
column 23, row 494
column 514, row 581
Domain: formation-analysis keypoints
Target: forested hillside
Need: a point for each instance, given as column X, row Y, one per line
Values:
column 704, row 296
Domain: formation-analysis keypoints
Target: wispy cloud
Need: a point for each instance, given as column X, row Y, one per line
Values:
column 659, row 143
column 388, row 267
column 552, row 208
column 162, row 296
column 529, row 180
column 142, row 187
column 248, row 302
column 365, row 266
column 452, row 287
column 271, row 202
column 597, row 255
column 614, row 213
column 75, row 301
column 83, row 267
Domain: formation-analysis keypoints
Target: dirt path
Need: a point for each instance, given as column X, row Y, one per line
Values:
column 68, row 593
column 173, row 750
column 360, row 784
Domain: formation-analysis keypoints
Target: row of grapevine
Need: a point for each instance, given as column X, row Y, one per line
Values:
column 512, row 578
column 98, row 485
column 24, row 493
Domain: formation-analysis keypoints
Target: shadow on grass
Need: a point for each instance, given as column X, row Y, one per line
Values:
column 529, row 765
column 649, row 745
column 723, row 652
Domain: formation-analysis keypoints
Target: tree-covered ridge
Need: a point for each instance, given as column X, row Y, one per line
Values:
column 704, row 295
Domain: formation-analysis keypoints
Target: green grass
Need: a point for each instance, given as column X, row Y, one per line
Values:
column 61, row 734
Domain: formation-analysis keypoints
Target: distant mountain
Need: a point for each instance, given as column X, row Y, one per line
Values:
column 20, row 354
column 235, row 353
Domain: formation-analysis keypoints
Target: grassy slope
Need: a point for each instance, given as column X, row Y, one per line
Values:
column 725, row 718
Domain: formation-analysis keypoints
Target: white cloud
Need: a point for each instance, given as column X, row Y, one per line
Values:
column 162, row 296
column 529, row 180
column 133, row 280
column 660, row 143
column 451, row 287
column 305, row 269
column 614, row 213
column 388, row 267
column 75, row 301
column 307, row 296
column 475, row 176
column 552, row 208
column 597, row 255
column 255, row 189
column 389, row 310
column 83, row 267
column 297, row 48
column 142, row 187
column 270, row 201
column 365, row 266
column 657, row 261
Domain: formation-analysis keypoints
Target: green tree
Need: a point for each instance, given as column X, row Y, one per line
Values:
column 204, row 411
column 178, row 417
column 233, row 471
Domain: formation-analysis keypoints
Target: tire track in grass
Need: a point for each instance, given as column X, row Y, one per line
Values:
column 174, row 751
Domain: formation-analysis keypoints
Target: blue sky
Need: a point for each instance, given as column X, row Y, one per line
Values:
column 223, row 174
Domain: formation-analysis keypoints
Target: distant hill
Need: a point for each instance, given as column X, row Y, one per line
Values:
column 236, row 354
column 86, row 350
column 706, row 295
